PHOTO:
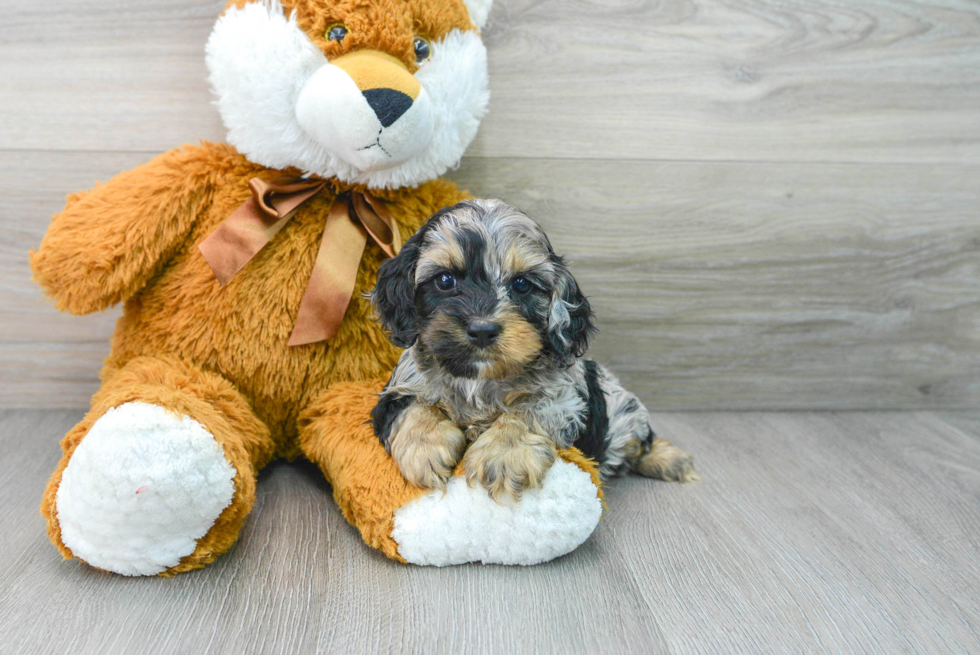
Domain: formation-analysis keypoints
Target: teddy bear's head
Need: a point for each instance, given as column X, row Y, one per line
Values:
column 387, row 93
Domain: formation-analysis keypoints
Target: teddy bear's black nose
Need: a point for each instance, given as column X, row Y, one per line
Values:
column 482, row 333
column 388, row 104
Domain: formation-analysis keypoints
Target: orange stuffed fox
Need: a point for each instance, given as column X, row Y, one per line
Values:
column 246, row 336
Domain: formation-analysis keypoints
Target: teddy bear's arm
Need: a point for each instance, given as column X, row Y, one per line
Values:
column 110, row 240
column 458, row 525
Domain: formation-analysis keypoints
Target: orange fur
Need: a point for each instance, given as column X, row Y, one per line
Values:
column 211, row 401
column 239, row 331
column 367, row 484
column 182, row 336
column 219, row 354
column 386, row 25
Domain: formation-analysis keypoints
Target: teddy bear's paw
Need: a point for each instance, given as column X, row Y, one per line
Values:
column 466, row 525
column 140, row 490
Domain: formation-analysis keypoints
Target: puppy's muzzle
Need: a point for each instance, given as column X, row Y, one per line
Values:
column 482, row 333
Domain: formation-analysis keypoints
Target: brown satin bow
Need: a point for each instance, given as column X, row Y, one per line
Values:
column 352, row 218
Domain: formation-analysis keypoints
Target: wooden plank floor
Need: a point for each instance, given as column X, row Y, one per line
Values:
column 810, row 532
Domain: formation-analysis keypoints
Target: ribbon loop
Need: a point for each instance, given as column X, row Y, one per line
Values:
column 353, row 217
column 279, row 197
column 379, row 224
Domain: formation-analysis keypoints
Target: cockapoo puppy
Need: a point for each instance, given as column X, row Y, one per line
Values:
column 495, row 329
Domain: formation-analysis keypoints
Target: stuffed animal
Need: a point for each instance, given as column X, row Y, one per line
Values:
column 243, row 266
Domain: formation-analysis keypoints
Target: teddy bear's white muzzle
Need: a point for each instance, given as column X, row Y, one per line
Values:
column 368, row 132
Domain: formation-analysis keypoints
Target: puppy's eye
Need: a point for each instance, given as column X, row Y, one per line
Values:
column 445, row 281
column 520, row 285
column 336, row 32
column 422, row 50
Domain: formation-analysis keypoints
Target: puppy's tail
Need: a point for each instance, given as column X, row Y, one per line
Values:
column 658, row 458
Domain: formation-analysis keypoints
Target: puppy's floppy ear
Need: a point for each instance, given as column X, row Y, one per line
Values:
column 394, row 292
column 570, row 319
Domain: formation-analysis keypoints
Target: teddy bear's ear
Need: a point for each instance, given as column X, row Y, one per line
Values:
column 479, row 11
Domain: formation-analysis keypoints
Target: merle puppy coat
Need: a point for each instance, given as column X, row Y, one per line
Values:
column 495, row 329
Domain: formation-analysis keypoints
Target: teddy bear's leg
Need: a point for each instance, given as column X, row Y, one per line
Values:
column 160, row 475
column 431, row 527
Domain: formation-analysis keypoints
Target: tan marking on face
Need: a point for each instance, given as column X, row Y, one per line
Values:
column 517, row 345
column 508, row 459
column 442, row 328
column 663, row 461
column 522, row 257
column 442, row 255
column 427, row 446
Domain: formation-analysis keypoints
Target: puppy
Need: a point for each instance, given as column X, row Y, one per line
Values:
column 495, row 329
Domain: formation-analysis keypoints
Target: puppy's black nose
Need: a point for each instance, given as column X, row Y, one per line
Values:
column 482, row 333
column 388, row 104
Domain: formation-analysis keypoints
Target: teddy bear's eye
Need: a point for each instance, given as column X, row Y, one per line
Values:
column 422, row 50
column 336, row 32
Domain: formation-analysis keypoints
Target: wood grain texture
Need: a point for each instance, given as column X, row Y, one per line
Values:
column 749, row 286
column 121, row 76
column 966, row 421
column 876, row 81
column 698, row 159
column 831, row 532
column 720, row 285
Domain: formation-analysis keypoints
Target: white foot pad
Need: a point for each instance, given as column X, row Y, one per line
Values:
column 140, row 490
column 466, row 525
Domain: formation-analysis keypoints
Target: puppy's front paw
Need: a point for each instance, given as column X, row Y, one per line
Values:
column 508, row 460
column 427, row 447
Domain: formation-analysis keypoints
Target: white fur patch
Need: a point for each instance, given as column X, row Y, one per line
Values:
column 261, row 62
column 140, row 490
column 332, row 110
column 466, row 525
column 479, row 11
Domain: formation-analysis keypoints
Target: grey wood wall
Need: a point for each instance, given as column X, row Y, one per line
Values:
column 773, row 203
